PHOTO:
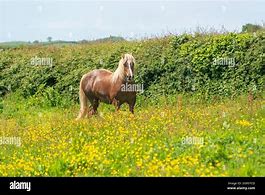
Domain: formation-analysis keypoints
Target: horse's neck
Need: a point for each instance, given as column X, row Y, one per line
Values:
column 118, row 82
column 116, row 87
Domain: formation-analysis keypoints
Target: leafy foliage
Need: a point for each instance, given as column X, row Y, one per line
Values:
column 252, row 27
column 216, row 64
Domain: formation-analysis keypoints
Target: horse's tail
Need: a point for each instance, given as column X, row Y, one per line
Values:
column 83, row 101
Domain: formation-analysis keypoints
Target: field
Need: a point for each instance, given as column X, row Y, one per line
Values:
column 177, row 136
column 201, row 113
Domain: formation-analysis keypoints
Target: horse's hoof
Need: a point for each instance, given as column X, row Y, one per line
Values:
column 77, row 119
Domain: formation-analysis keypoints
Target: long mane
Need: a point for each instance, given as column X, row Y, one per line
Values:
column 119, row 72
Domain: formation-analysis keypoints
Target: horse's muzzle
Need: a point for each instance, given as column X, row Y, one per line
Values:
column 129, row 78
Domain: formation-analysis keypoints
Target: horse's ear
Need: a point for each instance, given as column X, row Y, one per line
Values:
column 122, row 56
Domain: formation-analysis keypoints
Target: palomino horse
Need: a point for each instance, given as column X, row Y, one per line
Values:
column 104, row 86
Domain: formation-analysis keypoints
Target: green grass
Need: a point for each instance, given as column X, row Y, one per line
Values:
column 149, row 143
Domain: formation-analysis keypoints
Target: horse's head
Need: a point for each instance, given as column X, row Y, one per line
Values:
column 128, row 63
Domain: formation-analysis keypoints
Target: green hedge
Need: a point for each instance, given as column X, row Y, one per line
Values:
column 168, row 65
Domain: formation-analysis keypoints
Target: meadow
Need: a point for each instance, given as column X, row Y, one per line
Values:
column 201, row 113
column 177, row 136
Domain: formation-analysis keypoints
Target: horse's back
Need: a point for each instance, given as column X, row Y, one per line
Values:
column 95, row 74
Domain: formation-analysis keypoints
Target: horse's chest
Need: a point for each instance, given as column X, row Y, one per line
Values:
column 123, row 96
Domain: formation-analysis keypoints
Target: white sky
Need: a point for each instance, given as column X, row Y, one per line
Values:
column 28, row 20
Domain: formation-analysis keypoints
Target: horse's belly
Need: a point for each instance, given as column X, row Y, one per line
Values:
column 101, row 87
column 105, row 99
column 103, row 96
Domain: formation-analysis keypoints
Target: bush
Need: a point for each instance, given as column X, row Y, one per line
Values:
column 224, row 64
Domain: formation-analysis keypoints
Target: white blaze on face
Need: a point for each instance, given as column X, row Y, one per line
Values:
column 131, row 74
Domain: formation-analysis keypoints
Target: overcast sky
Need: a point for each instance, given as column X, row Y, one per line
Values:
column 28, row 20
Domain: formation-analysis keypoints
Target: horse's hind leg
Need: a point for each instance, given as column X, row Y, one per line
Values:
column 82, row 113
column 94, row 106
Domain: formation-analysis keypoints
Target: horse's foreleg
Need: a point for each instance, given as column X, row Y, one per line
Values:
column 118, row 106
column 131, row 106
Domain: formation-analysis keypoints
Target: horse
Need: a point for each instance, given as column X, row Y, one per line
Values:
column 102, row 85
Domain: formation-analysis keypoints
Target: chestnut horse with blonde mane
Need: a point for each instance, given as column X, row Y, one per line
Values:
column 104, row 86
